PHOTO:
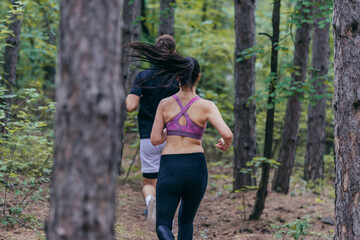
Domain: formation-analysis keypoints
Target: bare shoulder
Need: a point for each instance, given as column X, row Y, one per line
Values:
column 166, row 101
column 208, row 105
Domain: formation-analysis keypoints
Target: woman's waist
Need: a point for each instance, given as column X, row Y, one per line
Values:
column 182, row 159
column 182, row 142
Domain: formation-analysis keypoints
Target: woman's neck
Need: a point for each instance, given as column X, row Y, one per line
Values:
column 186, row 91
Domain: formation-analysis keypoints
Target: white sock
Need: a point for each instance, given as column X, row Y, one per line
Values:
column 147, row 200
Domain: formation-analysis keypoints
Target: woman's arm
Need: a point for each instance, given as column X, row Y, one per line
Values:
column 217, row 121
column 158, row 133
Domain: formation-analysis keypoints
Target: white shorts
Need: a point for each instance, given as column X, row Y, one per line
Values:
column 150, row 158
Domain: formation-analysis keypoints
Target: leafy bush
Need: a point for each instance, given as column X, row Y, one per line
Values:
column 26, row 154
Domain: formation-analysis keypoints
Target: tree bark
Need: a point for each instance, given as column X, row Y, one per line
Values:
column 245, row 118
column 262, row 192
column 346, row 22
column 10, row 61
column 167, row 18
column 315, row 145
column 289, row 137
column 130, row 32
column 88, row 121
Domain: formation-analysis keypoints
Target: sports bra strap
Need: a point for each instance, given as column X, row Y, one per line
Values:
column 184, row 109
column 190, row 129
column 178, row 101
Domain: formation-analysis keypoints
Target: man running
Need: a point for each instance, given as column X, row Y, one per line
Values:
column 147, row 92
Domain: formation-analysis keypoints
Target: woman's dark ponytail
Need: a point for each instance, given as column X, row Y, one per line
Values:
column 172, row 65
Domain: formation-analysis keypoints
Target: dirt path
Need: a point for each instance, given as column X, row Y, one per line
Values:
column 220, row 216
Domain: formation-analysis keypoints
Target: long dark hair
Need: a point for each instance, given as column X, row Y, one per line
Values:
column 172, row 65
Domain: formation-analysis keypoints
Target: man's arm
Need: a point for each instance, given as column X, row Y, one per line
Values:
column 132, row 102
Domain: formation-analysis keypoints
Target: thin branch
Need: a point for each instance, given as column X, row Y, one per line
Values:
column 265, row 34
column 132, row 163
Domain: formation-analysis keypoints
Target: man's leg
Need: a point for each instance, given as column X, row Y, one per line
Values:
column 149, row 192
column 150, row 161
column 149, row 188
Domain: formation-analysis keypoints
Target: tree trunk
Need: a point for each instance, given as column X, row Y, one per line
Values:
column 130, row 32
column 244, row 140
column 88, row 121
column 293, row 109
column 315, row 146
column 167, row 17
column 50, row 67
column 144, row 29
column 346, row 22
column 262, row 192
column 10, row 62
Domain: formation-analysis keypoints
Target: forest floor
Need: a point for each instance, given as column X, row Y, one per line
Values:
column 221, row 214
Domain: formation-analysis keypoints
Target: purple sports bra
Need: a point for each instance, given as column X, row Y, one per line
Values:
column 190, row 129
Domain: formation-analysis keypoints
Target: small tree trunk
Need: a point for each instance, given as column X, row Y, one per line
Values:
column 262, row 192
column 293, row 109
column 49, row 68
column 10, row 61
column 315, row 145
column 144, row 29
column 346, row 22
column 167, row 18
column 244, row 133
column 90, row 99
column 130, row 32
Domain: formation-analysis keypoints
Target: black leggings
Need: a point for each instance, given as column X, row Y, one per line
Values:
column 181, row 176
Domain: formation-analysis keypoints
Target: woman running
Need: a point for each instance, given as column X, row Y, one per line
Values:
column 180, row 121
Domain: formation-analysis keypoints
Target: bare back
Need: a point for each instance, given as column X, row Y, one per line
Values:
column 197, row 112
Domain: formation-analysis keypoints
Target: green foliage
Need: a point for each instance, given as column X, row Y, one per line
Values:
column 26, row 152
column 256, row 163
column 296, row 229
column 36, row 66
column 27, row 146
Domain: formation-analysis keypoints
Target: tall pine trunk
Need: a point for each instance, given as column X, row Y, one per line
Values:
column 262, row 192
column 289, row 137
column 130, row 32
column 346, row 22
column 315, row 145
column 245, row 118
column 10, row 61
column 167, row 18
column 90, row 97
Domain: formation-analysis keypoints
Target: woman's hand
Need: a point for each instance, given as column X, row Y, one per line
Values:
column 222, row 146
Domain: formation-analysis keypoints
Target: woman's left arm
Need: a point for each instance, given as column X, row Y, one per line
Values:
column 158, row 133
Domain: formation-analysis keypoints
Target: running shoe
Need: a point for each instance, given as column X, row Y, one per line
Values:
column 151, row 217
